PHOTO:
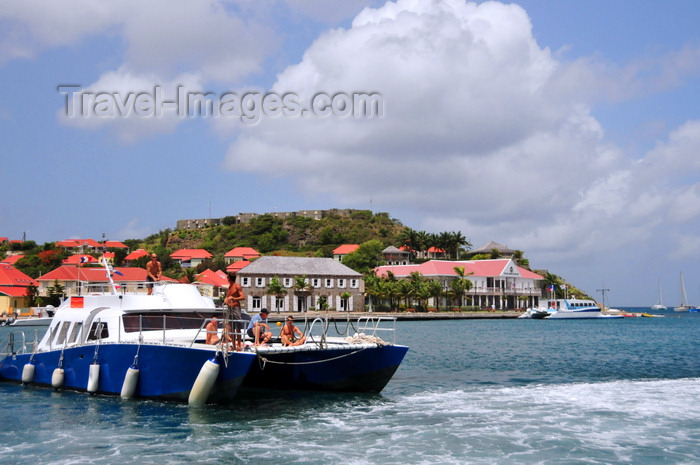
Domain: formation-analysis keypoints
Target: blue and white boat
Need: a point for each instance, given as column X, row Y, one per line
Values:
column 362, row 357
column 560, row 309
column 133, row 345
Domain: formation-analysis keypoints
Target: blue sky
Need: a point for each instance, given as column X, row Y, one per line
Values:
column 570, row 130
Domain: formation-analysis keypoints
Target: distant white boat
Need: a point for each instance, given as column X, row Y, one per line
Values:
column 659, row 305
column 559, row 309
column 683, row 307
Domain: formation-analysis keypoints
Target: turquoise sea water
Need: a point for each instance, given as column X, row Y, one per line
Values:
column 482, row 392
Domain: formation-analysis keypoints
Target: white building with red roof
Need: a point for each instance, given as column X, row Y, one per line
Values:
column 13, row 288
column 240, row 253
column 212, row 283
column 11, row 259
column 190, row 258
column 78, row 280
column 235, row 267
column 135, row 255
column 497, row 283
column 343, row 250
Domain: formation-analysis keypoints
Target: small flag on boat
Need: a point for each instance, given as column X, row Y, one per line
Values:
column 550, row 288
column 84, row 259
column 76, row 302
column 118, row 272
column 563, row 286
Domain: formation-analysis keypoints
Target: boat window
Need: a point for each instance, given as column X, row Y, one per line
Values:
column 154, row 321
column 74, row 333
column 98, row 330
column 62, row 332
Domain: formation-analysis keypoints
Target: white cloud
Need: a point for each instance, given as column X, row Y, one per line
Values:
column 161, row 37
column 121, row 87
column 483, row 129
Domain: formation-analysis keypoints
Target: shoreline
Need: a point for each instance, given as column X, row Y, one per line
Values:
column 400, row 316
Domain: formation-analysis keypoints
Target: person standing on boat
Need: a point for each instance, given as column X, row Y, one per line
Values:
column 233, row 299
column 258, row 328
column 289, row 334
column 154, row 272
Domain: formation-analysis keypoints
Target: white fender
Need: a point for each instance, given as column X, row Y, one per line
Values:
column 93, row 378
column 57, row 378
column 130, row 381
column 204, row 383
column 28, row 373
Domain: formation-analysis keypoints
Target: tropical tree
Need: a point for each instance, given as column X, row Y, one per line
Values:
column 277, row 289
column 435, row 291
column 366, row 258
column 302, row 289
column 460, row 285
column 32, row 294
column 345, row 299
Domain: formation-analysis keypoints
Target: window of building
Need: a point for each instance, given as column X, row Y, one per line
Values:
column 257, row 303
column 341, row 283
column 259, row 282
column 316, row 282
column 245, row 282
column 354, row 283
column 287, row 282
column 329, row 283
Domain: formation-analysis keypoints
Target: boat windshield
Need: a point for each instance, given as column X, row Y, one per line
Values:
column 151, row 321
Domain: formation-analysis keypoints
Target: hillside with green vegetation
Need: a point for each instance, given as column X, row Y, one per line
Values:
column 269, row 235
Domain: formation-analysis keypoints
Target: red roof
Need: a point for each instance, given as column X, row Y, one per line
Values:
column 138, row 253
column 11, row 276
column 12, row 259
column 3, row 239
column 345, row 249
column 405, row 248
column 96, row 275
column 188, row 254
column 212, row 277
column 116, row 244
column 79, row 259
column 78, row 243
column 14, row 291
column 446, row 268
column 242, row 252
column 436, row 250
column 237, row 266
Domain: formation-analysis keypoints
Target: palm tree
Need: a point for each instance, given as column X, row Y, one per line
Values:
column 277, row 289
column 435, row 291
column 302, row 289
column 461, row 284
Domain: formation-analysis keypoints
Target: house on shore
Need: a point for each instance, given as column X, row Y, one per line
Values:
column 497, row 284
column 13, row 289
column 330, row 284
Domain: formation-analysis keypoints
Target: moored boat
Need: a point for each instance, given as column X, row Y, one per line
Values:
column 576, row 309
column 684, row 306
column 362, row 362
column 133, row 345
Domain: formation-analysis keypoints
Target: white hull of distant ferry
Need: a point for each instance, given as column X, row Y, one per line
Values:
column 575, row 309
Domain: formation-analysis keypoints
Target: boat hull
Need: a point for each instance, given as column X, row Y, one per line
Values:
column 165, row 372
column 358, row 368
column 582, row 315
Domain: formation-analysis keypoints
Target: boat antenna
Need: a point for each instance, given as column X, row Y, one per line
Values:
column 603, row 291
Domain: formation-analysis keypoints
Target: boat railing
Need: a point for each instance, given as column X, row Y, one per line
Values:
column 381, row 327
column 16, row 344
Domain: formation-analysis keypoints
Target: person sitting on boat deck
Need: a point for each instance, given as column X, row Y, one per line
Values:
column 212, row 329
column 258, row 328
column 233, row 299
column 289, row 334
column 155, row 272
